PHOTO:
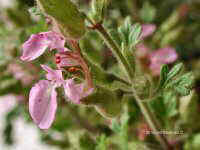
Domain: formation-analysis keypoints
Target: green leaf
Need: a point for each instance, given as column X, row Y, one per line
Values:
column 163, row 75
column 174, row 71
column 158, row 106
column 134, row 35
column 90, row 52
column 99, row 76
column 170, row 102
column 165, row 106
column 187, row 79
column 124, row 30
column 107, row 80
column 67, row 16
column 129, row 33
column 182, row 90
column 182, row 84
column 98, row 10
column 106, row 102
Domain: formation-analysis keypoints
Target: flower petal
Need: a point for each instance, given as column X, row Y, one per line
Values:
column 34, row 47
column 147, row 30
column 164, row 55
column 57, row 41
column 38, row 43
column 75, row 92
column 66, row 61
column 53, row 75
column 43, row 104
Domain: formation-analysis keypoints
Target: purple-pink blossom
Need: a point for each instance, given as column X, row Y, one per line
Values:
column 43, row 96
column 161, row 56
column 43, row 104
column 38, row 43
column 164, row 55
column 53, row 75
column 147, row 30
column 76, row 91
column 158, row 57
column 62, row 60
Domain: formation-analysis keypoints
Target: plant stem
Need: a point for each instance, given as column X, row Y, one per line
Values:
column 116, row 51
column 152, row 122
column 149, row 116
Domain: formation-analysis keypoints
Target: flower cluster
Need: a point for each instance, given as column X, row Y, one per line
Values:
column 157, row 57
column 43, row 95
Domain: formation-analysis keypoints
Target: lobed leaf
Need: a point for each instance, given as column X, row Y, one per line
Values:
column 163, row 75
column 106, row 102
column 130, row 34
column 98, row 10
column 67, row 16
column 134, row 35
column 174, row 71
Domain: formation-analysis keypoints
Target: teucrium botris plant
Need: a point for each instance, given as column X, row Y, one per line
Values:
column 103, row 90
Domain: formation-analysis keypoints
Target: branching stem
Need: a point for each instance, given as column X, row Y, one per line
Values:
column 149, row 116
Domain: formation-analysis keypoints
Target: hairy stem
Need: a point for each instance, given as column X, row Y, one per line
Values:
column 83, row 64
column 149, row 116
column 116, row 51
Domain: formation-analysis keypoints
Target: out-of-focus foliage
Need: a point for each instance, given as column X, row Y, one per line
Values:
column 83, row 128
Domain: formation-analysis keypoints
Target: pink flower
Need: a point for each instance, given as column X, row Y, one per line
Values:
column 53, row 75
column 43, row 96
column 63, row 60
column 157, row 58
column 147, row 30
column 43, row 104
column 76, row 91
column 38, row 43
column 162, row 56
